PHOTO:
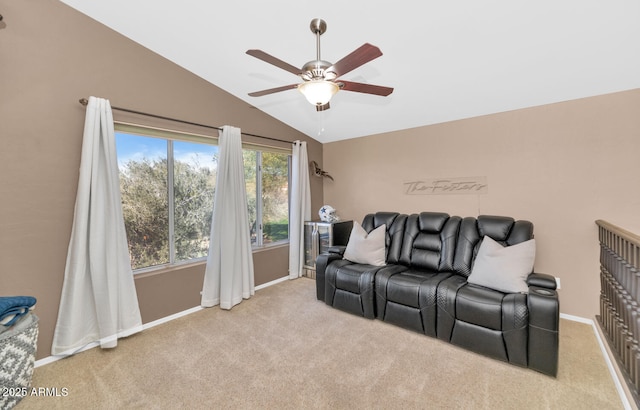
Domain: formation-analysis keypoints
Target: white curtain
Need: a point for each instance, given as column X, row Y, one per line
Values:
column 99, row 301
column 229, row 273
column 300, row 208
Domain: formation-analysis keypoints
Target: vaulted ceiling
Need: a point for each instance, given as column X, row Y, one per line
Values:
column 446, row 60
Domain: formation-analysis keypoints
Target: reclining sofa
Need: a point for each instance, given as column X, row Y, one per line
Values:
column 423, row 287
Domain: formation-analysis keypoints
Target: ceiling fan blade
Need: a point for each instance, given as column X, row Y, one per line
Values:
column 360, row 56
column 273, row 90
column 261, row 55
column 365, row 88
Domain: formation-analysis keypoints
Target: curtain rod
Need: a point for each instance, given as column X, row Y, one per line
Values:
column 84, row 102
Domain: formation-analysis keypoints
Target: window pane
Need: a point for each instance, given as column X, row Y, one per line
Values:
column 143, row 185
column 275, row 196
column 250, row 171
column 167, row 188
column 193, row 184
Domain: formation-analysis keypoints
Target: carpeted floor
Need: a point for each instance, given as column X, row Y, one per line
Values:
column 282, row 349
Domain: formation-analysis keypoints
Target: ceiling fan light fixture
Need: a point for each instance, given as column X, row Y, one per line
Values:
column 330, row 75
column 318, row 92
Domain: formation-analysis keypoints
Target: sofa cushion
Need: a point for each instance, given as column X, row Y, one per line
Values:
column 404, row 288
column 472, row 231
column 497, row 227
column 480, row 306
column 429, row 241
column 348, row 277
column 366, row 248
column 503, row 268
column 395, row 224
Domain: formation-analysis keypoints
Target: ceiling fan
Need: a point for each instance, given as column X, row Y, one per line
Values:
column 320, row 78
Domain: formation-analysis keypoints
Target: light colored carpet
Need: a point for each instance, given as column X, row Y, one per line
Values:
column 284, row 349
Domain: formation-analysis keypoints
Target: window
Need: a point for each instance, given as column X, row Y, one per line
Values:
column 267, row 185
column 167, row 184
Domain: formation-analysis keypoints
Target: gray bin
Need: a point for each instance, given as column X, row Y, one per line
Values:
column 17, row 357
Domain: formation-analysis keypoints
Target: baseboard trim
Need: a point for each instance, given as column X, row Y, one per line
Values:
column 273, row 282
column 616, row 373
column 576, row 319
column 55, row 358
column 171, row 317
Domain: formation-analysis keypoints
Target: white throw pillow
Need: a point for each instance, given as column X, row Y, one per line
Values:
column 503, row 268
column 366, row 248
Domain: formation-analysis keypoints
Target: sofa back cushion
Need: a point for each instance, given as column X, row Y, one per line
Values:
column 430, row 240
column 502, row 229
column 395, row 223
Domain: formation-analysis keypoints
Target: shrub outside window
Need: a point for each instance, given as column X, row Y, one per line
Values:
column 167, row 184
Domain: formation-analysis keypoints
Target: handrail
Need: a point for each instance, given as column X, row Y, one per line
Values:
column 623, row 233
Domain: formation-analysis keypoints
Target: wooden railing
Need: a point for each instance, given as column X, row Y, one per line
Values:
column 620, row 298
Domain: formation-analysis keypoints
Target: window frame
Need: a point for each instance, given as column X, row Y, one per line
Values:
column 170, row 136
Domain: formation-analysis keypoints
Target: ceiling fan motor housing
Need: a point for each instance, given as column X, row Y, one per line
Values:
column 316, row 70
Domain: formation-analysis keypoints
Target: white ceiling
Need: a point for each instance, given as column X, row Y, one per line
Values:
column 447, row 60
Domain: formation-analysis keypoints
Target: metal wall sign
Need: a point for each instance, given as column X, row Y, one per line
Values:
column 446, row 186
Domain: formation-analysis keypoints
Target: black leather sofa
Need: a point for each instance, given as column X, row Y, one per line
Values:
column 423, row 287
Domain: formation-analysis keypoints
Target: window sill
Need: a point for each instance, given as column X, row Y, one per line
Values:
column 271, row 246
column 162, row 269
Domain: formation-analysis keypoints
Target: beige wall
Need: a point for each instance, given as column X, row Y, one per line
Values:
column 51, row 56
column 561, row 166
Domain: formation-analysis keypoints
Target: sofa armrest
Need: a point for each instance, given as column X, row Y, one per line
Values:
column 544, row 325
column 542, row 280
column 339, row 249
column 321, row 267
